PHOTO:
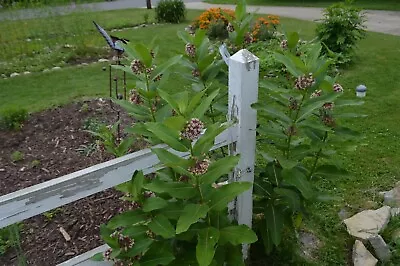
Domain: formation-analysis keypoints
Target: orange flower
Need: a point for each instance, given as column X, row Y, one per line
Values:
column 214, row 15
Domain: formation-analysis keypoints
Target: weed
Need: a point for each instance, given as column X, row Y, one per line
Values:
column 52, row 213
column 84, row 108
column 17, row 156
column 35, row 163
column 12, row 118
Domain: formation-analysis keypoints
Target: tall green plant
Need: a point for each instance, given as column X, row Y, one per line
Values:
column 301, row 127
column 341, row 29
column 180, row 216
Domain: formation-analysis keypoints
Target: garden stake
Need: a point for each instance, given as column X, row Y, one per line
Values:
column 124, row 85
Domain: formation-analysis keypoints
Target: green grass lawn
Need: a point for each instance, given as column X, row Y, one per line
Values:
column 374, row 165
column 366, row 4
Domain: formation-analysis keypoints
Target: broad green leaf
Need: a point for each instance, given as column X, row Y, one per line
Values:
column 200, row 110
column 127, row 218
column 177, row 190
column 105, row 233
column 272, row 112
column 159, row 254
column 266, row 238
column 297, row 179
column 98, row 257
column 161, row 69
column 169, row 99
column 182, row 99
column 234, row 256
column 184, row 36
column 207, row 140
column 271, row 131
column 190, row 215
column 144, row 54
column 167, row 135
column 286, row 163
column 236, row 235
column 175, row 122
column 199, row 37
column 195, row 101
column 160, row 225
column 330, row 171
column 220, row 197
column 137, row 184
column 140, row 247
column 137, row 111
column 169, row 158
column 289, row 198
column 173, row 210
column 153, row 203
column 219, row 168
column 206, row 245
column 272, row 86
column 346, row 132
column 274, row 222
column 291, row 67
column 293, row 39
column 350, row 115
column 135, row 231
column 240, row 10
column 316, row 103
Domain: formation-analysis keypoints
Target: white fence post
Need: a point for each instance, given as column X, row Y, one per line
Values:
column 243, row 92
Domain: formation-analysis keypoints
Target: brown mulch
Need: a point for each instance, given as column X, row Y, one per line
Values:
column 51, row 139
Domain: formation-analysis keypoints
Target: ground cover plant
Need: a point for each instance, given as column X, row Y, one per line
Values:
column 366, row 4
column 373, row 166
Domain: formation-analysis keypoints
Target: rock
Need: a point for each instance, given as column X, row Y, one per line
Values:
column 14, row 74
column 46, row 70
column 4, row 76
column 27, row 73
column 103, row 60
column 382, row 250
column 395, row 212
column 368, row 223
column 84, row 64
column 392, row 197
column 361, row 256
column 309, row 245
column 56, row 68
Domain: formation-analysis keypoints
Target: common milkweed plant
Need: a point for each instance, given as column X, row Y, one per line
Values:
column 300, row 128
column 179, row 215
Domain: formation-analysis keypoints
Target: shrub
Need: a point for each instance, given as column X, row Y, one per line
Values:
column 341, row 29
column 172, row 11
column 12, row 118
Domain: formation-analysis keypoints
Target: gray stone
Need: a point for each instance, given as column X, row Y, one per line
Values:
column 84, row 64
column 368, row 223
column 103, row 60
column 395, row 212
column 46, row 70
column 382, row 250
column 14, row 74
column 56, row 68
column 392, row 197
column 361, row 256
column 3, row 76
column 27, row 73
column 309, row 245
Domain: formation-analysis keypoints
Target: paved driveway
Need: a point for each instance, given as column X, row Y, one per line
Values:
column 378, row 21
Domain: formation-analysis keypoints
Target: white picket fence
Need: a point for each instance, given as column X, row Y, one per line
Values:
column 241, row 139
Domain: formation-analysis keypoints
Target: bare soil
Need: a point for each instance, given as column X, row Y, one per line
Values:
column 49, row 141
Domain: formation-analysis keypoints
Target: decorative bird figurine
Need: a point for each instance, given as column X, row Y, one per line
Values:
column 112, row 41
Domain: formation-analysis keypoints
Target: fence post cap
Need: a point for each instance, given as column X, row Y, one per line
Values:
column 244, row 56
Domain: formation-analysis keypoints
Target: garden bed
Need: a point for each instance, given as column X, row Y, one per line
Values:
column 48, row 143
